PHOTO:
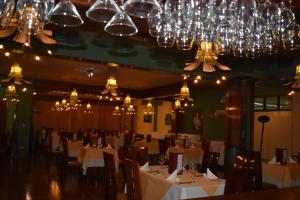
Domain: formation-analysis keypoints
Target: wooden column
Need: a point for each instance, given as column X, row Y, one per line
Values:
column 239, row 113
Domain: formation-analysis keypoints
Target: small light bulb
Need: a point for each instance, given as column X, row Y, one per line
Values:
column 7, row 54
column 218, row 82
column 223, row 78
column 1, row 46
column 198, row 77
column 24, row 89
column 34, row 93
column 37, row 58
column 49, row 52
column 196, row 81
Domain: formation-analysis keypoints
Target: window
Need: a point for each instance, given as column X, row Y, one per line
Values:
column 273, row 103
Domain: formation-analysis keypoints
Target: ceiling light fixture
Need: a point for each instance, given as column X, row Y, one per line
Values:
column 90, row 72
column 88, row 109
column 15, row 75
column 111, row 83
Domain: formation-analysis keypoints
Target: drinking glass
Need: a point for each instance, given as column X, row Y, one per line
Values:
column 6, row 12
column 103, row 10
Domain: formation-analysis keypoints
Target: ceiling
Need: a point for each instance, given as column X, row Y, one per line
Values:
column 143, row 65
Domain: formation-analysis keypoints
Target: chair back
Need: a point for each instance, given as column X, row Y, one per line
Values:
column 281, row 155
column 132, row 178
column 110, row 176
column 242, row 176
column 139, row 154
column 210, row 160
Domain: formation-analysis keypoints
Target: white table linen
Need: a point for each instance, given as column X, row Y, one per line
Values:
column 155, row 186
column 93, row 157
column 74, row 147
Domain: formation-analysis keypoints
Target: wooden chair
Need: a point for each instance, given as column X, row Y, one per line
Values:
column 210, row 160
column 139, row 154
column 110, row 173
column 68, row 162
column 242, row 176
column 132, row 179
column 259, row 184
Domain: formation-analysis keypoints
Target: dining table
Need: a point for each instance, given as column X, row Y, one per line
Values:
column 282, row 175
column 74, row 147
column 191, row 155
column 190, row 184
column 93, row 157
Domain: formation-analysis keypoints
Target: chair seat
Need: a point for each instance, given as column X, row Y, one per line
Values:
column 121, row 196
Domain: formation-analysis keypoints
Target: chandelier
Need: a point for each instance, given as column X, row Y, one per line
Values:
column 15, row 75
column 184, row 93
column 111, row 83
column 244, row 28
column 88, row 109
column 11, row 94
column 73, row 97
column 29, row 19
column 148, row 109
column 127, row 100
column 207, row 58
column 65, row 105
column 130, row 110
column 116, row 111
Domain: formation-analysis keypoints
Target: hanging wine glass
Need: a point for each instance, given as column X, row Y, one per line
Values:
column 153, row 18
column 185, row 39
column 141, row 8
column 6, row 12
column 291, row 36
column 121, row 25
column 31, row 16
column 65, row 14
column 103, row 10
column 165, row 30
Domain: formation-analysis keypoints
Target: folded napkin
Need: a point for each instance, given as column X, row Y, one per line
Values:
column 273, row 161
column 109, row 146
column 173, row 176
column 209, row 175
column 291, row 160
column 145, row 167
column 87, row 146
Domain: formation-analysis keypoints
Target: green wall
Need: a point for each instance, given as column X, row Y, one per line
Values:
column 19, row 144
column 208, row 100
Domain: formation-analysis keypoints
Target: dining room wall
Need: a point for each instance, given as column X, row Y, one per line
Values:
column 102, row 118
column 282, row 131
column 163, row 109
column 278, row 132
column 209, row 101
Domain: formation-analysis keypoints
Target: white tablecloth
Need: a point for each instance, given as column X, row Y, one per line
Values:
column 155, row 186
column 56, row 144
column 93, row 157
column 74, row 148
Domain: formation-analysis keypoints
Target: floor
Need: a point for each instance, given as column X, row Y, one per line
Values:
column 42, row 178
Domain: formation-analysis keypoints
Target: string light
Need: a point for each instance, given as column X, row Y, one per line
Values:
column 195, row 81
column 7, row 54
column 1, row 46
column 218, row 81
column 24, row 89
column 291, row 93
column 223, row 78
column 49, row 52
